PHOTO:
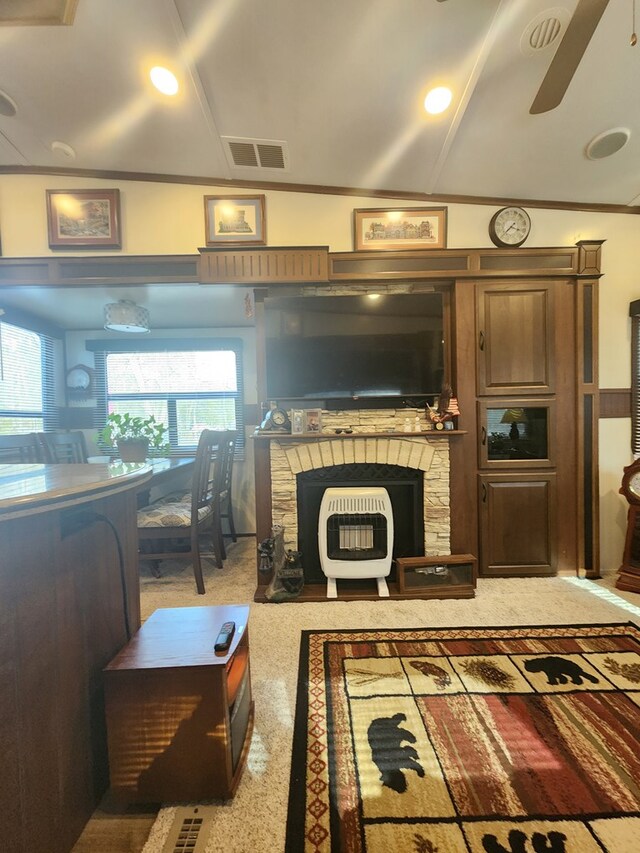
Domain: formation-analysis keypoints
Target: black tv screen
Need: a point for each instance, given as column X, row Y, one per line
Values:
column 350, row 347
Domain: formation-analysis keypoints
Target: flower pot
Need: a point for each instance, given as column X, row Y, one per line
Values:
column 133, row 449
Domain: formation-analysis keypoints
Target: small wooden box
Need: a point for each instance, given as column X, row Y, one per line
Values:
column 452, row 576
column 179, row 716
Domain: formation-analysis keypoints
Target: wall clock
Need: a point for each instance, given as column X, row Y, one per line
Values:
column 79, row 381
column 629, row 572
column 510, row 227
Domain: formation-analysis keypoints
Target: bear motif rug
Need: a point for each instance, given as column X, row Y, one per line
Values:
column 456, row 740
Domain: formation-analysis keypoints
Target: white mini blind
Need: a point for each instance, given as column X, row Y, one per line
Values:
column 635, row 378
column 187, row 385
column 27, row 398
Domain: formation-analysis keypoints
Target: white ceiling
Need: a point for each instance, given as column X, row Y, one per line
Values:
column 339, row 82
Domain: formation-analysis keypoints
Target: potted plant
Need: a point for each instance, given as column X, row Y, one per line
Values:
column 135, row 437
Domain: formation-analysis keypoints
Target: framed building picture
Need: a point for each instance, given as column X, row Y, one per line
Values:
column 235, row 219
column 390, row 229
column 88, row 219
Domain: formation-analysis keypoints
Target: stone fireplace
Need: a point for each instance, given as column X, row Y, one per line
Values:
column 422, row 453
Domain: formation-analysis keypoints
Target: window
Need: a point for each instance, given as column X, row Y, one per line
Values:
column 188, row 386
column 26, row 381
column 634, row 311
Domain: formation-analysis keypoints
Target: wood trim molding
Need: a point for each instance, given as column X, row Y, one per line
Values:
column 277, row 264
column 277, row 186
column 96, row 271
column 301, row 265
column 615, row 402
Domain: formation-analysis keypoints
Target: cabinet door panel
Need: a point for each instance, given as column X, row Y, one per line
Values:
column 515, row 338
column 518, row 524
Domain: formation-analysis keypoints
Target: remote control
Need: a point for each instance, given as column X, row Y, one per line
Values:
column 223, row 640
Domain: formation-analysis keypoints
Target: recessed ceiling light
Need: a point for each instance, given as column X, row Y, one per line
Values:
column 438, row 100
column 607, row 143
column 8, row 106
column 373, row 296
column 164, row 80
column 62, row 148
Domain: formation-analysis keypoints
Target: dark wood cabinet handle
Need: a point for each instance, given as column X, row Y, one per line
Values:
column 481, row 341
column 484, row 493
column 483, row 433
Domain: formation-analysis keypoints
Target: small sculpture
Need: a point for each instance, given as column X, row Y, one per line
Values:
column 265, row 550
column 446, row 410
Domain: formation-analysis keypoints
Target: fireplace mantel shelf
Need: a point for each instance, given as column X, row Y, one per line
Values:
column 317, row 436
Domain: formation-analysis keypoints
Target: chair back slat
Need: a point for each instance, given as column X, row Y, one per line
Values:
column 208, row 469
column 20, row 449
column 63, row 447
column 231, row 436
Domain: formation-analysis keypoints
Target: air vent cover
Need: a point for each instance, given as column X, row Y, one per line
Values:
column 544, row 30
column 243, row 153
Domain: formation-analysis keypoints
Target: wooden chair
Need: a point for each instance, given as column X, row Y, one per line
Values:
column 226, row 506
column 60, row 447
column 188, row 517
column 20, row 449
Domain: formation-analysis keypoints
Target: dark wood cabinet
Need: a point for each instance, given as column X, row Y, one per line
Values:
column 515, row 337
column 518, row 523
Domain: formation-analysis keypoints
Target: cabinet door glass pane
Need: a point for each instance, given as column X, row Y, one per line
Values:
column 518, row 433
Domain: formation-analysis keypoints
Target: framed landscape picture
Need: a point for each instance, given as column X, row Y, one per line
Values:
column 235, row 219
column 390, row 229
column 88, row 219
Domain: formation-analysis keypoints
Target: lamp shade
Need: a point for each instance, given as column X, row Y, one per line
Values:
column 126, row 316
column 513, row 416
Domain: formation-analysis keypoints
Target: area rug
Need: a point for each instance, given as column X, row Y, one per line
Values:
column 502, row 740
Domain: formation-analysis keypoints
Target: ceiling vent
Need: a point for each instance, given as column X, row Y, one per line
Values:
column 243, row 153
column 544, row 30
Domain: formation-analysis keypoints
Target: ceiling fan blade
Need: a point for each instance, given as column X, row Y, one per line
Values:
column 568, row 55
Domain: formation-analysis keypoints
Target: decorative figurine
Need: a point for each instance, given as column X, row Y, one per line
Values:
column 446, row 409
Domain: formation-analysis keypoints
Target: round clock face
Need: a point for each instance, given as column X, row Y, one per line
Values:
column 78, row 379
column 278, row 417
column 630, row 487
column 634, row 484
column 510, row 226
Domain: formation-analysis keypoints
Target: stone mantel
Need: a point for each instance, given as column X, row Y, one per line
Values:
column 333, row 436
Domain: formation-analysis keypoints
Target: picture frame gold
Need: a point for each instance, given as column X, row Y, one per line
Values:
column 238, row 220
column 84, row 219
column 392, row 229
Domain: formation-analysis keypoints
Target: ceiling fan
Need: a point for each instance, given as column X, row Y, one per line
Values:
column 568, row 55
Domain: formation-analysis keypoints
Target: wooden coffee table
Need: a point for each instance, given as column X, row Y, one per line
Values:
column 180, row 716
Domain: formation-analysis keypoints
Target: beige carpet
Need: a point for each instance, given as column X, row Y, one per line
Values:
column 255, row 819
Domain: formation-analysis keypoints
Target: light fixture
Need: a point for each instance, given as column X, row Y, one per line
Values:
column 514, row 417
column 164, row 80
column 125, row 316
column 373, row 296
column 607, row 143
column 438, row 100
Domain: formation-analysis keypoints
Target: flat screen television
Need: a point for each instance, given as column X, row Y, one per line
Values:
column 354, row 347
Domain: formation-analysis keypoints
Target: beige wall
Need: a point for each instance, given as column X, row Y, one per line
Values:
column 169, row 219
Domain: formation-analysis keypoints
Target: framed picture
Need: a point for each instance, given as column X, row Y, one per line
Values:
column 313, row 420
column 235, row 219
column 390, row 229
column 297, row 421
column 87, row 219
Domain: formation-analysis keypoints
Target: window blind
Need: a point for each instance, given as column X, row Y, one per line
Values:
column 27, row 388
column 187, row 385
column 635, row 376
